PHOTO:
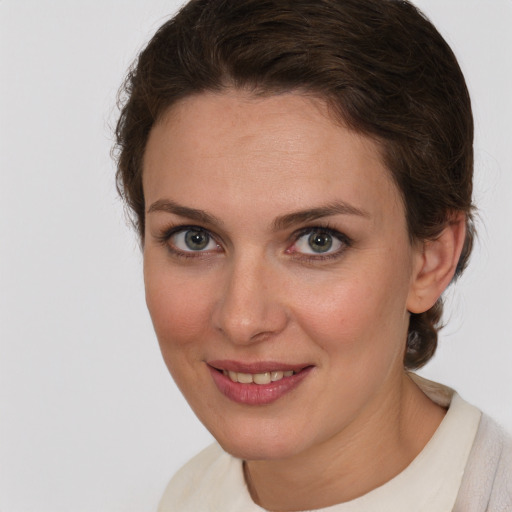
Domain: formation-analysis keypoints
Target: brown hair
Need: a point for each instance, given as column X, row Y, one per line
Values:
column 382, row 67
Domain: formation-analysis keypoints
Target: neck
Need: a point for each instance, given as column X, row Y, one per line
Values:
column 373, row 449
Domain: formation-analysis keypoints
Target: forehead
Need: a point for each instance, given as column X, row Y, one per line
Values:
column 287, row 146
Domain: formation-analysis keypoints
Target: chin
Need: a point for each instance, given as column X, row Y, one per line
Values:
column 259, row 442
column 256, row 451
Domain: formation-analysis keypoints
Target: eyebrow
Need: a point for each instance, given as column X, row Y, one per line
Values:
column 280, row 223
column 336, row 208
column 166, row 205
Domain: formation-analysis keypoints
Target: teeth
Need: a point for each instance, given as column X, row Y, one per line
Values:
column 257, row 378
column 262, row 378
column 276, row 376
column 244, row 378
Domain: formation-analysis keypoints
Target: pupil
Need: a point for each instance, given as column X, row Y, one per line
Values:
column 320, row 242
column 196, row 240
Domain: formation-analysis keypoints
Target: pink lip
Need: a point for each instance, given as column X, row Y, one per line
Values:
column 259, row 367
column 256, row 394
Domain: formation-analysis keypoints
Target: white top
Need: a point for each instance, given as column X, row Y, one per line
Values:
column 214, row 480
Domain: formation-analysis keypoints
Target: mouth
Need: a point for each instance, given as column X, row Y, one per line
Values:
column 256, row 384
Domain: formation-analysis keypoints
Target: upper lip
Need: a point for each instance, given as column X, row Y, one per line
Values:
column 255, row 367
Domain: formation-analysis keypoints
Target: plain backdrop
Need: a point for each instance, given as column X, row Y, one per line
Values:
column 89, row 418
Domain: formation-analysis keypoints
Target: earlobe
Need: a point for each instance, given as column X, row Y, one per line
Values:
column 435, row 264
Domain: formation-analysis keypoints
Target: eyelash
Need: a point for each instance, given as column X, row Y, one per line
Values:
column 164, row 237
column 166, row 234
column 323, row 228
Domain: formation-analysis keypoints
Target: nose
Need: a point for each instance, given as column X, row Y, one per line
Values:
column 249, row 308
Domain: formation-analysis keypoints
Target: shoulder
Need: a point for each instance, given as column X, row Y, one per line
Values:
column 487, row 480
column 190, row 484
column 486, row 477
column 212, row 480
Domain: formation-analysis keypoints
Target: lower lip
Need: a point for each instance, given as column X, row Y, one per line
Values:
column 257, row 394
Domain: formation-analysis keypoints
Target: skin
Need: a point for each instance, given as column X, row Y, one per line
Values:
column 257, row 294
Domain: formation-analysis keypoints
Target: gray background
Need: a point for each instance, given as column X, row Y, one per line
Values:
column 89, row 418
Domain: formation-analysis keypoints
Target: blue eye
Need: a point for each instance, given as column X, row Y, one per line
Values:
column 318, row 241
column 193, row 240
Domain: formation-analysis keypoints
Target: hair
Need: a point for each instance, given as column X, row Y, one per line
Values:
column 382, row 68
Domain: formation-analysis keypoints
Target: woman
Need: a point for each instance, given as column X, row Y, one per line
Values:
column 300, row 174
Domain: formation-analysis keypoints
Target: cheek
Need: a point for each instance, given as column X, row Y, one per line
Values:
column 179, row 313
column 357, row 316
column 179, row 310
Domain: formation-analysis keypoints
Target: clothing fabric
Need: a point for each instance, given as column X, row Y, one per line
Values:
column 465, row 467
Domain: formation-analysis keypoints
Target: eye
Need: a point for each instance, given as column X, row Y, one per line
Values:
column 319, row 241
column 193, row 239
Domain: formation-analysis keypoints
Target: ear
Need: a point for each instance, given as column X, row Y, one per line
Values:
column 435, row 264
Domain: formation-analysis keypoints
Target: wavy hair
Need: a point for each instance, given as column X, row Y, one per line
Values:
column 381, row 66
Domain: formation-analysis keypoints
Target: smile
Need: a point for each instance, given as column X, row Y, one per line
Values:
column 258, row 384
column 258, row 378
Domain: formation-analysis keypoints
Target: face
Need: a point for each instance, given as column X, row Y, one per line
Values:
column 277, row 268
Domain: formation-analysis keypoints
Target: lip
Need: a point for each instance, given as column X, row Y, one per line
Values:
column 257, row 367
column 256, row 394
